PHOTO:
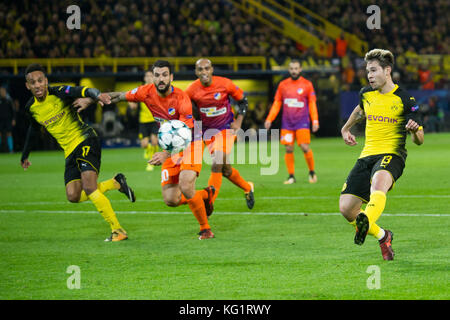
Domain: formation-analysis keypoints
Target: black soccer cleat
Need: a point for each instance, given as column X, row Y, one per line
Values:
column 250, row 197
column 362, row 227
column 124, row 188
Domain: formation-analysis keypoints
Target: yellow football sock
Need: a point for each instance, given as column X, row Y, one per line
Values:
column 104, row 207
column 375, row 207
column 376, row 231
column 104, row 186
column 353, row 223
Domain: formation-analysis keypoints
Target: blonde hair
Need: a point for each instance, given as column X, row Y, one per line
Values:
column 384, row 57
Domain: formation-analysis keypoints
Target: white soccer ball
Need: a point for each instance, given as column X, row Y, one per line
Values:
column 174, row 136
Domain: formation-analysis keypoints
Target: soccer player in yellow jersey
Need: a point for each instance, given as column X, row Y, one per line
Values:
column 51, row 107
column 390, row 114
column 148, row 127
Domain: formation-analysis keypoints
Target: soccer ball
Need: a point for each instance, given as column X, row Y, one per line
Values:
column 174, row 136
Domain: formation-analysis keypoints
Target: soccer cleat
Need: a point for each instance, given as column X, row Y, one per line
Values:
column 362, row 227
column 386, row 245
column 290, row 180
column 209, row 205
column 149, row 167
column 117, row 235
column 124, row 188
column 205, row 234
column 249, row 196
column 312, row 177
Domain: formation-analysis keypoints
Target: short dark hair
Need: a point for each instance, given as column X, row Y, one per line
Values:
column 162, row 64
column 34, row 67
column 296, row 61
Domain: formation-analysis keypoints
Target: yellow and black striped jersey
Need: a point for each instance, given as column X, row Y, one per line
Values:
column 386, row 116
column 59, row 117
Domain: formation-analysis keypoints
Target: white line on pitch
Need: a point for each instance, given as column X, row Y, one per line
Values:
column 223, row 199
column 231, row 213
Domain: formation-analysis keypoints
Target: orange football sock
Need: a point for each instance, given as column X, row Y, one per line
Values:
column 290, row 162
column 197, row 207
column 236, row 178
column 183, row 200
column 309, row 157
column 215, row 179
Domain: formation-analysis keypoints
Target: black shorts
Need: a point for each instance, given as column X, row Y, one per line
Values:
column 360, row 177
column 148, row 128
column 5, row 125
column 86, row 157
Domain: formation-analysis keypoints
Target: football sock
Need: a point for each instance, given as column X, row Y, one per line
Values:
column 9, row 139
column 151, row 150
column 215, row 179
column 103, row 187
column 290, row 162
column 309, row 157
column 104, row 207
column 236, row 178
column 376, row 231
column 375, row 207
column 197, row 207
column 353, row 223
column 184, row 200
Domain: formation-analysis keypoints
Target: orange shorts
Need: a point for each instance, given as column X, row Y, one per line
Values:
column 188, row 159
column 223, row 141
column 302, row 136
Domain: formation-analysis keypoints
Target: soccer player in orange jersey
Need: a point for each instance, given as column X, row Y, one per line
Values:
column 179, row 172
column 210, row 96
column 297, row 96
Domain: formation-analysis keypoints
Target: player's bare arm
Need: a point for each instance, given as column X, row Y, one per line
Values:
column 356, row 116
column 117, row 96
column 82, row 103
column 416, row 131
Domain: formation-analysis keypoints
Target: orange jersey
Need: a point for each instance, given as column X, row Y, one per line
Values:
column 176, row 106
column 299, row 104
column 213, row 101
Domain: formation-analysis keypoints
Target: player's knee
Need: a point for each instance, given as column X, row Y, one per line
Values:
column 89, row 189
column 289, row 149
column 227, row 170
column 304, row 147
column 187, row 189
column 216, row 167
column 170, row 202
column 348, row 211
column 73, row 196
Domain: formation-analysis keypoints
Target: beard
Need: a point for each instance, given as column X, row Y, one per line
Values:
column 295, row 76
column 164, row 90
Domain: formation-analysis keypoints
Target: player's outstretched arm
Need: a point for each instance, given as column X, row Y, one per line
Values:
column 117, row 96
column 416, row 131
column 356, row 116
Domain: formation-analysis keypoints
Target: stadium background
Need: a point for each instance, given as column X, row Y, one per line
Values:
column 249, row 41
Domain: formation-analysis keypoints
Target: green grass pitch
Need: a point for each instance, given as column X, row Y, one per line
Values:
column 293, row 245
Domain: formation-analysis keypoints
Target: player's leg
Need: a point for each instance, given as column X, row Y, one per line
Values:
column 287, row 139
column 355, row 191
column 103, row 205
column 119, row 182
column 195, row 200
column 304, row 141
column 235, row 177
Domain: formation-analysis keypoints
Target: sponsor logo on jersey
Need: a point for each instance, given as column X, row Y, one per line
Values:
column 53, row 119
column 134, row 90
column 213, row 111
column 381, row 119
column 294, row 103
column 415, row 108
column 67, row 89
